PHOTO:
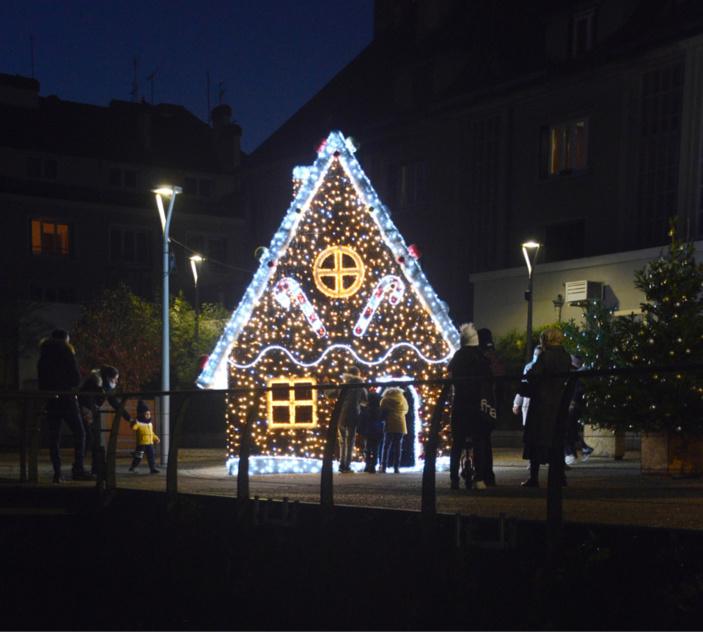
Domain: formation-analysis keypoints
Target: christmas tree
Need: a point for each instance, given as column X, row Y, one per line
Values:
column 337, row 287
column 669, row 333
column 598, row 341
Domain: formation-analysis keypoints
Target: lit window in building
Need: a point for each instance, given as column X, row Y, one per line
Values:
column 567, row 148
column 49, row 238
column 293, row 404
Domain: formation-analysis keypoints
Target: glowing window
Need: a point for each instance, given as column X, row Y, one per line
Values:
column 338, row 272
column 292, row 402
column 49, row 238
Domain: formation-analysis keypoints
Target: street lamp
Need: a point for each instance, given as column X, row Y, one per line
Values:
column 170, row 192
column 194, row 261
column 529, row 251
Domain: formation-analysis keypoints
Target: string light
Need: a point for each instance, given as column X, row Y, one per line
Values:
column 338, row 255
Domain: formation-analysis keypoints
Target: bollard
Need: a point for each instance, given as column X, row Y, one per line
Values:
column 173, row 447
column 110, row 477
column 244, row 451
column 429, row 486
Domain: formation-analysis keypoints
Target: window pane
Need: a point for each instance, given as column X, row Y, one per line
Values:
column 36, row 236
column 281, row 414
column 303, row 392
column 62, row 238
column 280, row 393
column 303, row 414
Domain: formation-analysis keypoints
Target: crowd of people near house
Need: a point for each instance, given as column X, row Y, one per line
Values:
column 57, row 370
column 380, row 418
column 380, row 415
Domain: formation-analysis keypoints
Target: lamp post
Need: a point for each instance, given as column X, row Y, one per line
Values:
column 194, row 261
column 170, row 192
column 529, row 251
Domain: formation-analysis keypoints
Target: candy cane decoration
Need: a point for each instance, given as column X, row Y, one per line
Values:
column 288, row 289
column 389, row 285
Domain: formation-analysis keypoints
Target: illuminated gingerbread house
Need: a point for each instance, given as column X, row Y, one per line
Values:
column 336, row 287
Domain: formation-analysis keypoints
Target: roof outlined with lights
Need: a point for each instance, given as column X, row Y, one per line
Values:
column 336, row 146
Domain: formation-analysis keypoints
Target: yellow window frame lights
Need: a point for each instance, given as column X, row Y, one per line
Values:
column 292, row 403
column 338, row 271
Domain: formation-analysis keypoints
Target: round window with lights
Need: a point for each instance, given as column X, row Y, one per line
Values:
column 338, row 272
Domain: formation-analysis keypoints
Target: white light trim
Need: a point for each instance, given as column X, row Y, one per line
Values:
column 305, row 465
column 335, row 143
column 344, row 347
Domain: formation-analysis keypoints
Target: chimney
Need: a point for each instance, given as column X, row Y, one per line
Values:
column 227, row 137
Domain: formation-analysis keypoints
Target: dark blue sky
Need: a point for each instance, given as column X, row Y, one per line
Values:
column 272, row 55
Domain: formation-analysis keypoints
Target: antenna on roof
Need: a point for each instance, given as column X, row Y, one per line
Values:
column 31, row 54
column 151, row 79
column 208, row 118
column 221, row 92
column 134, row 93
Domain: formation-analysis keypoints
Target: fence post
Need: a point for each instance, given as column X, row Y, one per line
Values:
column 326, row 486
column 244, row 452
column 173, row 446
column 110, row 475
column 24, row 440
column 555, row 476
column 429, row 488
column 34, row 431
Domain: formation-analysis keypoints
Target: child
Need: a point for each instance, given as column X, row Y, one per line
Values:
column 145, row 438
column 394, row 406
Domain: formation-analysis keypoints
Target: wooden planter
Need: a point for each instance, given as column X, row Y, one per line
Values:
column 607, row 443
column 672, row 453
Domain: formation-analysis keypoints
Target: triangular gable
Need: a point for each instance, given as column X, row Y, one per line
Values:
column 214, row 375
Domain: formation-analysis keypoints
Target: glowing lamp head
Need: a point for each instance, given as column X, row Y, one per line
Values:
column 529, row 251
column 167, row 190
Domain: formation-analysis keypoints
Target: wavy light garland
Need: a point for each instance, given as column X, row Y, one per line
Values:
column 339, row 345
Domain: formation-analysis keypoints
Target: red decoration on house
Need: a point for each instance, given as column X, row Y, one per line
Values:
column 202, row 361
column 271, row 263
column 401, row 259
column 414, row 251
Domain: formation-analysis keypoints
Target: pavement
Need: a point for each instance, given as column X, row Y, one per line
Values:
column 600, row 491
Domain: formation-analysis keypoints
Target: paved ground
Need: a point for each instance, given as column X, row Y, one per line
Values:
column 599, row 491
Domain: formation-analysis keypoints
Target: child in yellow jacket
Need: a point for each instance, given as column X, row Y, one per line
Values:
column 146, row 437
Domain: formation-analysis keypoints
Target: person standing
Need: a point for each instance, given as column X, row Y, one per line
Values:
column 468, row 362
column 574, row 441
column 146, row 438
column 349, row 418
column 394, row 407
column 521, row 403
column 57, row 370
column 98, row 386
column 371, row 428
column 547, row 398
column 485, row 343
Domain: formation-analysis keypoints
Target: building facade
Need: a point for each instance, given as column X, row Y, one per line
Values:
column 79, row 215
column 489, row 123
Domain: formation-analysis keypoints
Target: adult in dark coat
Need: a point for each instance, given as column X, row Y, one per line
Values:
column 349, row 418
column 548, row 402
column 57, row 370
column 98, row 386
column 371, row 429
column 467, row 420
column 485, row 342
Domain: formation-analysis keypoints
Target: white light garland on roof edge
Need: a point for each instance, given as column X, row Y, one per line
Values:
column 314, row 175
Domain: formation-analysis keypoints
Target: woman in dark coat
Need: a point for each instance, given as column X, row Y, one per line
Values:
column 547, row 398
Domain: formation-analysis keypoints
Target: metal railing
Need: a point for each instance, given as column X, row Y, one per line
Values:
column 107, row 479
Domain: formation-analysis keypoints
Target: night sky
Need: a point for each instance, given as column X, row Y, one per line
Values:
column 272, row 55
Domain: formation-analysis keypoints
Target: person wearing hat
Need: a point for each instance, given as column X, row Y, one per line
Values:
column 467, row 364
column 146, row 437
